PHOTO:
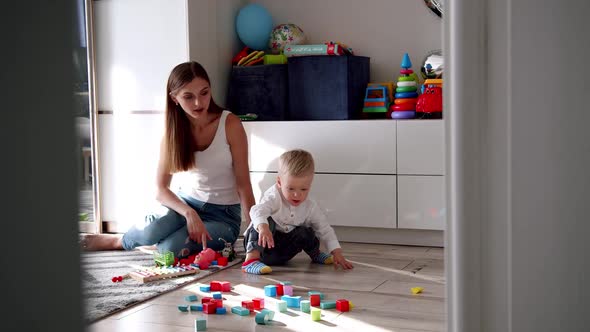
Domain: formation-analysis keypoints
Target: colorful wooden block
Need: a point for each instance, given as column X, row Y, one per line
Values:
column 215, row 286
column 284, row 283
column 288, row 290
column 310, row 293
column 196, row 307
column 209, row 307
column 280, row 290
column 305, row 306
column 200, row 324
column 213, row 262
column 205, row 289
column 248, row 305
column 218, row 302
column 222, row 261
column 191, row 298
column 271, row 314
column 281, row 306
column 417, row 290
column 225, row 286
column 316, row 314
column 314, row 300
column 183, row 308
column 258, row 303
column 270, row 290
column 292, row 301
column 261, row 318
column 240, row 311
column 206, row 299
column 328, row 304
column 221, row 311
column 216, row 295
column 342, row 305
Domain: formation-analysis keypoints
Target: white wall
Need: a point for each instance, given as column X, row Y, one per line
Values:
column 213, row 40
column 137, row 43
column 519, row 154
column 380, row 29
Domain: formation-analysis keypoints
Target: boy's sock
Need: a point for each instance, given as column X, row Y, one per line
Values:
column 254, row 266
column 322, row 258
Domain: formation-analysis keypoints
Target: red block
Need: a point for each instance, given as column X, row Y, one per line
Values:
column 218, row 302
column 203, row 265
column 209, row 307
column 248, row 305
column 342, row 305
column 314, row 300
column 218, row 254
column 215, row 286
column 280, row 291
column 258, row 303
column 206, row 300
column 222, row 261
column 225, row 286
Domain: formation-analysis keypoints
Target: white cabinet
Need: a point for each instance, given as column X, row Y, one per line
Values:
column 373, row 174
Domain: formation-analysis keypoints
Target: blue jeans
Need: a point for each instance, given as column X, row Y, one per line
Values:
column 170, row 233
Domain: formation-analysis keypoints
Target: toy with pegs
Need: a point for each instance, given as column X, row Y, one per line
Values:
column 406, row 95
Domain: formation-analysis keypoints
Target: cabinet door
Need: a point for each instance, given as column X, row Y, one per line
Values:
column 420, row 147
column 337, row 146
column 349, row 200
column 421, row 203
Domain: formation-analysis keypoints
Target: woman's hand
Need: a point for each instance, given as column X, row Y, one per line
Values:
column 339, row 260
column 196, row 228
column 265, row 238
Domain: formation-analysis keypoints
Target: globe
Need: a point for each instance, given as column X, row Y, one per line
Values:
column 284, row 34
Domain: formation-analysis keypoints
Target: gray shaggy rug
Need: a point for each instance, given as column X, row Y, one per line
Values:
column 103, row 297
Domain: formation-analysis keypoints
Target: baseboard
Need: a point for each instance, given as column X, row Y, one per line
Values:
column 411, row 237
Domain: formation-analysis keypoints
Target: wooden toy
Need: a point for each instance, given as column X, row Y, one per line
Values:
column 261, row 318
column 209, row 307
column 292, row 301
column 196, row 307
column 281, row 306
column 148, row 274
column 205, row 289
column 218, row 302
column 417, row 290
column 206, row 299
column 270, row 290
column 258, row 303
column 200, row 324
column 248, row 304
column 305, row 306
column 342, row 305
column 222, row 261
column 183, row 308
column 215, row 286
column 191, row 298
column 288, row 290
column 271, row 314
column 316, row 314
column 225, row 286
column 280, row 290
column 221, row 311
column 240, row 311
column 314, row 299
column 328, row 304
column 286, row 283
column 310, row 293
column 216, row 295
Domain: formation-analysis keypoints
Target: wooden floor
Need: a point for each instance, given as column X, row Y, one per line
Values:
column 378, row 286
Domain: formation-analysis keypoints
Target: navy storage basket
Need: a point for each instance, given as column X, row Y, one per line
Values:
column 327, row 87
column 261, row 90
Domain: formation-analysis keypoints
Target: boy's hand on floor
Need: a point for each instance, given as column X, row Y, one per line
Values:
column 265, row 236
column 339, row 260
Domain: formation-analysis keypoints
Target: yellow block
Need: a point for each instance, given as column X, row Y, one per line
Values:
column 316, row 314
column 417, row 290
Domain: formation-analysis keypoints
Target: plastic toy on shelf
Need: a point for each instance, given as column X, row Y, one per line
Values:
column 376, row 101
column 406, row 95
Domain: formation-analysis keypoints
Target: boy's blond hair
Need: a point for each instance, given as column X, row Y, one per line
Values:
column 296, row 163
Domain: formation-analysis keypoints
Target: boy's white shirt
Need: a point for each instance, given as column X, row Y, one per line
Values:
column 287, row 217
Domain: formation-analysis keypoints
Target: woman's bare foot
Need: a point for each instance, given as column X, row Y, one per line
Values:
column 93, row 242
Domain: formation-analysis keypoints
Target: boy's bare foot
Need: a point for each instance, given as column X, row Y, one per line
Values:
column 93, row 242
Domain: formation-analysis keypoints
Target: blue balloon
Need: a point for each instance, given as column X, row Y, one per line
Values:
column 254, row 25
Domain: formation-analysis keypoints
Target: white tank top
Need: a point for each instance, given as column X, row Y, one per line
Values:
column 213, row 179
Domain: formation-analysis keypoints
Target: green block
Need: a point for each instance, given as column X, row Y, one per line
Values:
column 282, row 306
column 271, row 314
column 261, row 318
column 328, row 304
column 315, row 292
column 305, row 305
column 183, row 308
column 316, row 314
column 191, row 298
column 200, row 324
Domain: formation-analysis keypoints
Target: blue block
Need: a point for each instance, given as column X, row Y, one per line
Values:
column 221, row 311
column 183, row 308
column 196, row 307
column 240, row 311
column 271, row 314
column 191, row 298
column 270, row 290
column 213, row 262
column 200, row 324
column 205, row 289
column 292, row 301
column 216, row 295
column 328, row 304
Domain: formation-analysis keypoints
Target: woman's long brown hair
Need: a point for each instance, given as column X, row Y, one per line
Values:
column 179, row 143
